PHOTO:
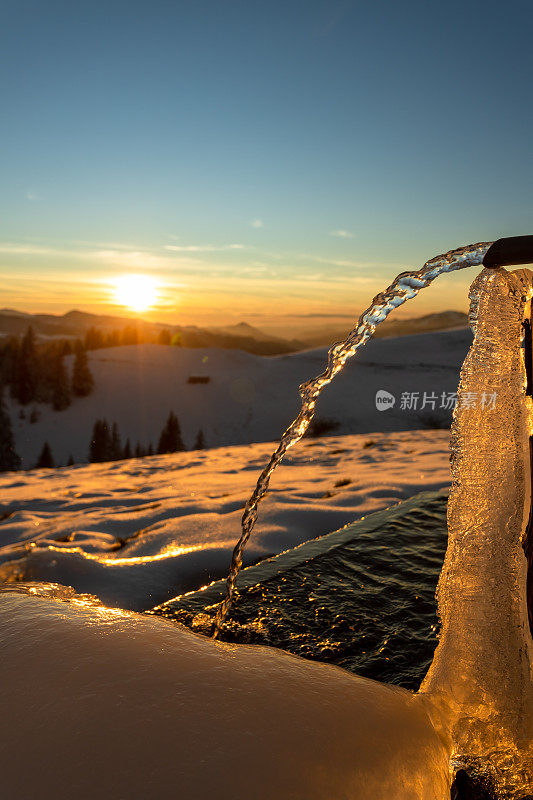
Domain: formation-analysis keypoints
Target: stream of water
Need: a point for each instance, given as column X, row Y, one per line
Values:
column 404, row 287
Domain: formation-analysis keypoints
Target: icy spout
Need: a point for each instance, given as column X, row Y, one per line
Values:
column 483, row 663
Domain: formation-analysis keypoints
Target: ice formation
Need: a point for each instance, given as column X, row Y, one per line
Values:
column 110, row 704
column 483, row 663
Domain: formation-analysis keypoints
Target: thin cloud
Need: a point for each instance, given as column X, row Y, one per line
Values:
column 126, row 259
column 320, row 315
column 255, row 269
column 133, row 259
column 342, row 234
column 202, row 248
column 338, row 262
column 188, row 257
column 27, row 250
column 103, row 245
column 257, row 223
column 379, row 268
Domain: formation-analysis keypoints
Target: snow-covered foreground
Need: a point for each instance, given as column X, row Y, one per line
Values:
column 138, row 532
column 249, row 398
column 114, row 705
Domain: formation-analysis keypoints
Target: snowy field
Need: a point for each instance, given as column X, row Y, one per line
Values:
column 138, row 532
column 249, row 398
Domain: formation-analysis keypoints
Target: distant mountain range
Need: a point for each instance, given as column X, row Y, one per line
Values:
column 440, row 321
column 75, row 324
column 241, row 336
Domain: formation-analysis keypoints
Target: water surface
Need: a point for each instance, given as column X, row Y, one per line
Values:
column 362, row 597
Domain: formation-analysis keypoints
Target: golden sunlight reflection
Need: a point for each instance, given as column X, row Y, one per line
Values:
column 110, row 560
column 138, row 292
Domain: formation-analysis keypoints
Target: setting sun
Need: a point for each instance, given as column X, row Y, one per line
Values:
column 138, row 292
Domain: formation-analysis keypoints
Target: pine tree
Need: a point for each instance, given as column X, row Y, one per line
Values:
column 100, row 448
column 127, row 450
column 9, row 360
column 130, row 335
column 164, row 337
column 170, row 440
column 115, row 444
column 113, row 339
column 70, row 462
column 200, row 441
column 25, row 382
column 94, row 339
column 45, row 374
column 45, row 460
column 150, row 450
column 60, row 384
column 9, row 460
column 82, row 379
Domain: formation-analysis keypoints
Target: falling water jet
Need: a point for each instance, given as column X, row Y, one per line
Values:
column 404, row 287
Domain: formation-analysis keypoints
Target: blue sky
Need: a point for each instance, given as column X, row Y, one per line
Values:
column 259, row 159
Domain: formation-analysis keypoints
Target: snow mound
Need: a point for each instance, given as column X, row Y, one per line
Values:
column 144, row 707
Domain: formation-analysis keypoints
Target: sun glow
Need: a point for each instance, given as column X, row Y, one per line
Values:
column 138, row 292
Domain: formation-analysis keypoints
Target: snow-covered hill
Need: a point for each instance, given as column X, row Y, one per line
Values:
column 248, row 398
column 138, row 532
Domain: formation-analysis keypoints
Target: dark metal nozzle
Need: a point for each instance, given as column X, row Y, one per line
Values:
column 513, row 250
